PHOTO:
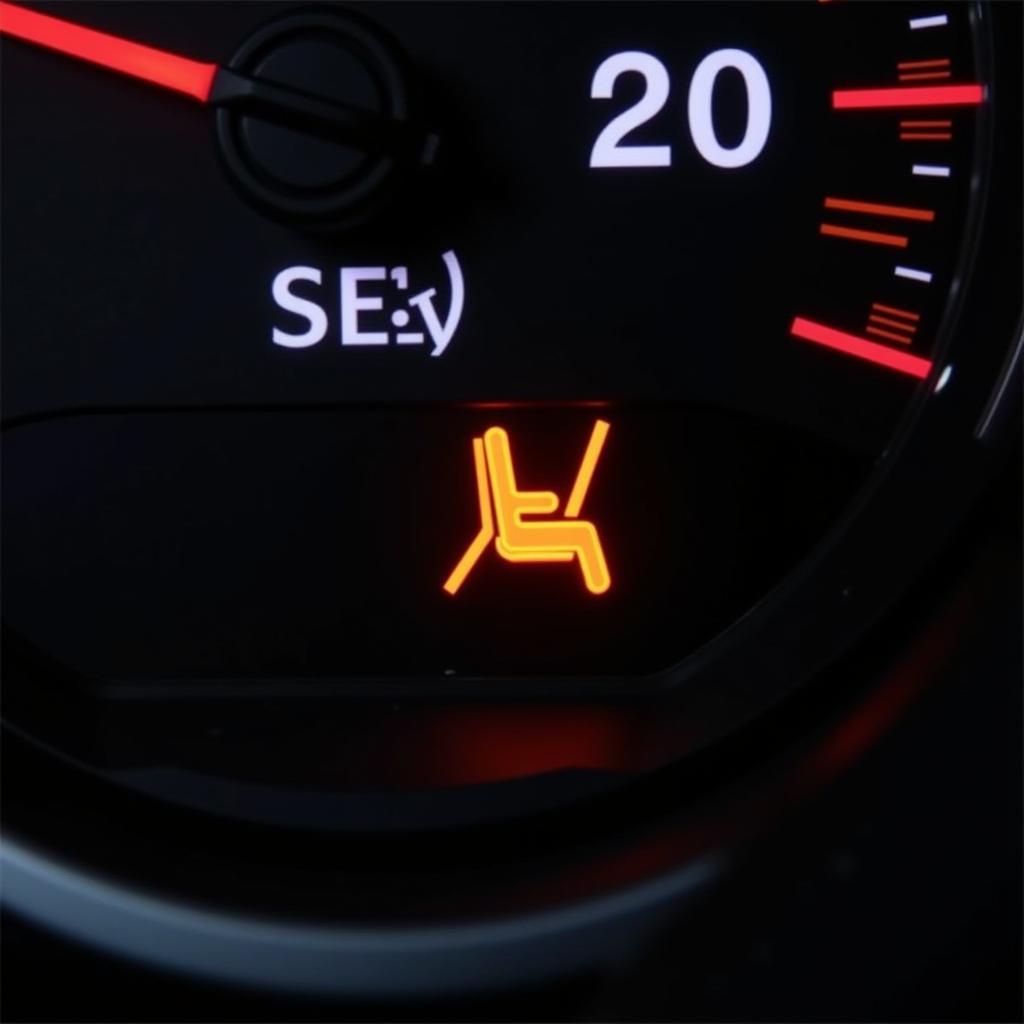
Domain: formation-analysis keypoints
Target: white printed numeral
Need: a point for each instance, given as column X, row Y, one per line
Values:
column 759, row 108
column 608, row 150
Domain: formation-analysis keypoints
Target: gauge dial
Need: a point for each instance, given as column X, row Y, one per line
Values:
column 409, row 367
column 734, row 242
column 420, row 417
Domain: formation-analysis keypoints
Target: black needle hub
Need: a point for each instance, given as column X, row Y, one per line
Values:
column 314, row 119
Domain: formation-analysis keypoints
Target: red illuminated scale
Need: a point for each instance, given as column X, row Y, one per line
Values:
column 862, row 348
column 908, row 96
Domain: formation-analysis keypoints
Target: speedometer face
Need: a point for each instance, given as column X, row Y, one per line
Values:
column 490, row 341
column 470, row 469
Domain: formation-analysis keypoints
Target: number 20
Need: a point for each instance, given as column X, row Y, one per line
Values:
column 609, row 150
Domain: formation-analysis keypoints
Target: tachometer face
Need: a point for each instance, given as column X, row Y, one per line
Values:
column 562, row 360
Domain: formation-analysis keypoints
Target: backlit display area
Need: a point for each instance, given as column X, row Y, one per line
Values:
column 490, row 542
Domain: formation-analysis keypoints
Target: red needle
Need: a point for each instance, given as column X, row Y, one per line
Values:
column 168, row 70
column 223, row 88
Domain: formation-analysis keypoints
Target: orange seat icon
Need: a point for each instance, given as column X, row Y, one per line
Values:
column 504, row 508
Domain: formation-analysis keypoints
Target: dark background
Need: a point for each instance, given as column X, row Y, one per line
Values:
column 894, row 895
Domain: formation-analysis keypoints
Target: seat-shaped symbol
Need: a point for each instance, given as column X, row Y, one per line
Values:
column 515, row 519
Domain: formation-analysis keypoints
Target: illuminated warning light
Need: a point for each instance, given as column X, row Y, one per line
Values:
column 504, row 507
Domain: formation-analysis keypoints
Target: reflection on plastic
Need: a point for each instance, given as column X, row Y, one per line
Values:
column 517, row 539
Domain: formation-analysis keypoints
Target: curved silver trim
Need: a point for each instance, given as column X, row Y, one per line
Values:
column 390, row 961
column 1011, row 367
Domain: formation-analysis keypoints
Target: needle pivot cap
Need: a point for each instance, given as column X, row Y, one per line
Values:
column 314, row 121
